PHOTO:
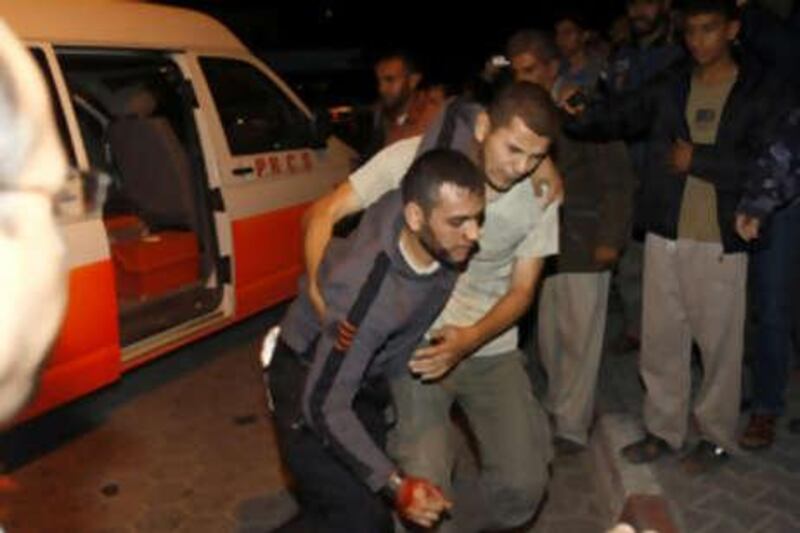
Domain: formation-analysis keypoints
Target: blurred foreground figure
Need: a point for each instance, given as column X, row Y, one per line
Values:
column 32, row 254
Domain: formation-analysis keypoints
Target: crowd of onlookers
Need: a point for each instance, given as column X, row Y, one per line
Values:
column 681, row 135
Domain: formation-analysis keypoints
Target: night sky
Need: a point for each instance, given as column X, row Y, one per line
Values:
column 382, row 22
column 445, row 36
column 449, row 40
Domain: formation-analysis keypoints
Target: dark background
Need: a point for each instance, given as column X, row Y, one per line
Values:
column 451, row 40
column 406, row 23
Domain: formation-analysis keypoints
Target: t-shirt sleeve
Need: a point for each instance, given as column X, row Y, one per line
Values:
column 384, row 171
column 542, row 240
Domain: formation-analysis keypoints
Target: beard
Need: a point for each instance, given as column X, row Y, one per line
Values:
column 440, row 253
column 394, row 106
column 643, row 27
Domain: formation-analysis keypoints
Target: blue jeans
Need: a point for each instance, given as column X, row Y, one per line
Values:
column 775, row 270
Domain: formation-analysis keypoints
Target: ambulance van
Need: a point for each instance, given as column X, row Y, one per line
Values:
column 210, row 161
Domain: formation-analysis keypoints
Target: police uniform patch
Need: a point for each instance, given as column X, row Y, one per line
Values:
column 705, row 116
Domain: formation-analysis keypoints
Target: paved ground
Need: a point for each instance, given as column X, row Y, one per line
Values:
column 180, row 445
column 184, row 445
column 574, row 504
column 753, row 492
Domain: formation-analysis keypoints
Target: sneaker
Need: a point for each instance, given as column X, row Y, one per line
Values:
column 565, row 447
column 759, row 433
column 647, row 450
column 705, row 456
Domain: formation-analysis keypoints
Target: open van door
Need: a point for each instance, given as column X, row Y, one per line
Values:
column 136, row 112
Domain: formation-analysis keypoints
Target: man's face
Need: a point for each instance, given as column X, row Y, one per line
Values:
column 570, row 39
column 709, row 36
column 451, row 229
column 645, row 15
column 35, row 269
column 395, row 83
column 527, row 67
column 511, row 152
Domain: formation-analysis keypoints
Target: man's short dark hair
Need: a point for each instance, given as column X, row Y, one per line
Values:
column 405, row 57
column 535, row 42
column 576, row 17
column 531, row 103
column 726, row 8
column 431, row 170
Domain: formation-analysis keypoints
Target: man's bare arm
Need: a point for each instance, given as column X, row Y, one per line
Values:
column 318, row 224
column 456, row 343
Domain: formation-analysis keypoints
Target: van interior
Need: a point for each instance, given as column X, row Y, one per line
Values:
column 135, row 113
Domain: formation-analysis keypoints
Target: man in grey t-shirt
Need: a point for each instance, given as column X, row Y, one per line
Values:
column 472, row 357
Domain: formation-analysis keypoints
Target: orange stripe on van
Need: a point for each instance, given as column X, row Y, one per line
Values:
column 86, row 354
column 268, row 258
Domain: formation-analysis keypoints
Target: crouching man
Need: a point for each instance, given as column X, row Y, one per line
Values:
column 383, row 287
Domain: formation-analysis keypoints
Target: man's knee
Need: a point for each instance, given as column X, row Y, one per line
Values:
column 516, row 488
column 517, row 498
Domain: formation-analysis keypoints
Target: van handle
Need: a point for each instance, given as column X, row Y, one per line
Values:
column 241, row 171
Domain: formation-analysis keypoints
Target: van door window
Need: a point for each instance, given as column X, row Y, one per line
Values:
column 137, row 125
column 61, row 122
column 256, row 115
column 75, row 198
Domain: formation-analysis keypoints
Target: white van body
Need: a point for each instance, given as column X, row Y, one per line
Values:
column 211, row 159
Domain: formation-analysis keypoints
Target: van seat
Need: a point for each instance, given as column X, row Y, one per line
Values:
column 155, row 166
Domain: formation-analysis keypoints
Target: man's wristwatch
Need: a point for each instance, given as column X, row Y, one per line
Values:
column 393, row 484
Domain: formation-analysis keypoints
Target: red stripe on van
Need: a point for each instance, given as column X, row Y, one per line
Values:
column 86, row 354
column 268, row 258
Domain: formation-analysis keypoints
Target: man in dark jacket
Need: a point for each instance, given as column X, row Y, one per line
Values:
column 383, row 287
column 403, row 108
column 595, row 219
column 703, row 124
column 770, row 200
column 775, row 178
column 654, row 48
column 573, row 306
